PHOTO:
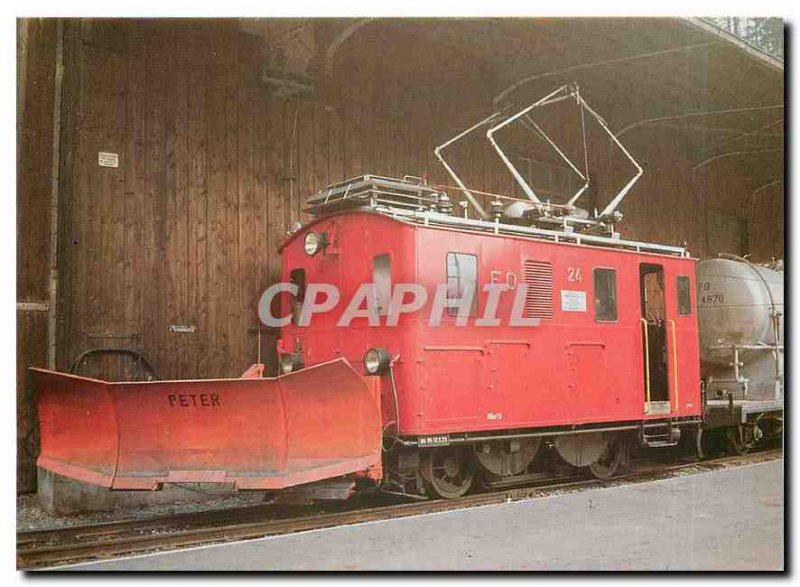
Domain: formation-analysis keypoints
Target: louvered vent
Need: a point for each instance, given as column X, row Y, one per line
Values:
column 539, row 298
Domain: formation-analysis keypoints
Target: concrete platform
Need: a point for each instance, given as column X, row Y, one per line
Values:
column 724, row 520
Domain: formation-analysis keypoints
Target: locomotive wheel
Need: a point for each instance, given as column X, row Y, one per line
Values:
column 614, row 456
column 507, row 458
column 448, row 472
column 581, row 450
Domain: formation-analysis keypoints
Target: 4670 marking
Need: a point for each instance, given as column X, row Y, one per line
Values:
column 712, row 299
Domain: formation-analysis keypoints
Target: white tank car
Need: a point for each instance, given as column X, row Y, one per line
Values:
column 740, row 313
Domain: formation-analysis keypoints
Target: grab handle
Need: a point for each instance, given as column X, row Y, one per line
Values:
column 675, row 361
column 646, row 361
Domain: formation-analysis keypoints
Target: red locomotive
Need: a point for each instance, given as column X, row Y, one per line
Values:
column 606, row 355
column 614, row 354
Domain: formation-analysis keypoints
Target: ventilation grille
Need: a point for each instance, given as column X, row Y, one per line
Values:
column 538, row 275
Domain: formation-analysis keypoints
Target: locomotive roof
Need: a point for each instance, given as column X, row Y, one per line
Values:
column 411, row 201
column 443, row 222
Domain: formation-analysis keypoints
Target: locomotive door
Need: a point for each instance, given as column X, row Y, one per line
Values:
column 654, row 338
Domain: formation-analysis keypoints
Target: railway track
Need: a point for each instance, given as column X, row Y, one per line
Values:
column 48, row 547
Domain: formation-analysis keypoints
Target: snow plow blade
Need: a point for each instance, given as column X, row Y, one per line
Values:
column 270, row 433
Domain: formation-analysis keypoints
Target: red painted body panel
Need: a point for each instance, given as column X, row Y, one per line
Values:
column 257, row 433
column 568, row 370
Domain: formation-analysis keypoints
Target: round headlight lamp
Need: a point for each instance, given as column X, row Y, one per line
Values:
column 315, row 242
column 376, row 360
column 291, row 362
column 311, row 244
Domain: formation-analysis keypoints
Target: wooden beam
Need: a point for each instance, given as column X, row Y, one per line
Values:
column 54, row 199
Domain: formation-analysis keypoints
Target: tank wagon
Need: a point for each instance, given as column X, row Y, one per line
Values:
column 740, row 312
column 544, row 341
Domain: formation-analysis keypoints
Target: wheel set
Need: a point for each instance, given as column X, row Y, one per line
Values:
column 450, row 472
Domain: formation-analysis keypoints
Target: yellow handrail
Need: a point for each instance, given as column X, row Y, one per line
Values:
column 646, row 361
column 675, row 362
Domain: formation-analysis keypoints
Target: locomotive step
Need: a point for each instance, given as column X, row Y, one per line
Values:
column 663, row 440
column 660, row 443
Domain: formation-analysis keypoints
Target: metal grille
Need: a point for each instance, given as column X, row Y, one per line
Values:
column 538, row 275
column 374, row 192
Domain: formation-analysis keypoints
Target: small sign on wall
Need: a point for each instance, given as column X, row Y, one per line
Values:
column 573, row 301
column 107, row 159
column 183, row 328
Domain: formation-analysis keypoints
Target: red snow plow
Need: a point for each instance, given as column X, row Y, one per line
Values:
column 257, row 433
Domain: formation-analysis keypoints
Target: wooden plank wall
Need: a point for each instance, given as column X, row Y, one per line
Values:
column 182, row 233
column 213, row 171
column 36, row 61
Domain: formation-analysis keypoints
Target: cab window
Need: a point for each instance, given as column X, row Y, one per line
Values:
column 684, row 296
column 462, row 280
column 382, row 279
column 298, row 278
column 605, row 295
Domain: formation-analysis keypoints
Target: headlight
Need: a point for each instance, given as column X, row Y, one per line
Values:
column 315, row 242
column 376, row 360
column 291, row 362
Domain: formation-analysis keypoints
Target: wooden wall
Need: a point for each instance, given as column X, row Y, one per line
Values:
column 178, row 233
column 36, row 67
column 213, row 170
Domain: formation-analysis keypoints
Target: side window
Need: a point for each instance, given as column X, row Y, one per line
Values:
column 462, row 280
column 684, row 296
column 382, row 278
column 297, row 277
column 605, row 295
